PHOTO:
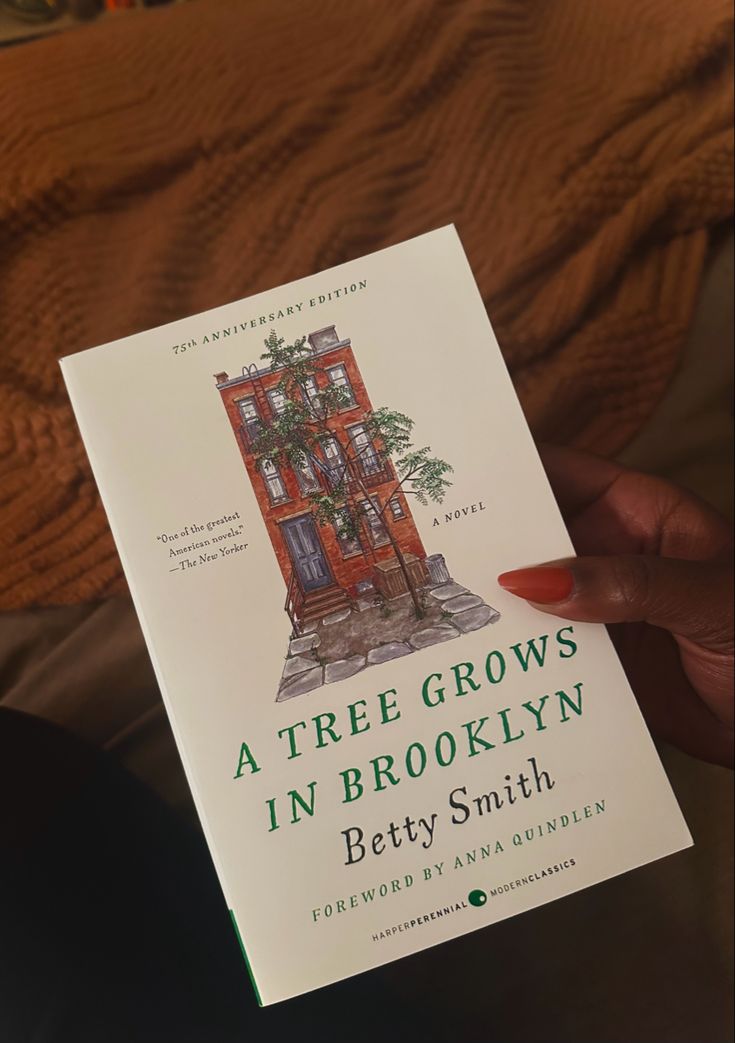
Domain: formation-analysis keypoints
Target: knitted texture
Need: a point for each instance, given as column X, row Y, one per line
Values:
column 158, row 164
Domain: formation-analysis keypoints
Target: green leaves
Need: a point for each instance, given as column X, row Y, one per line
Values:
column 424, row 475
column 391, row 428
column 281, row 355
column 287, row 435
column 296, row 431
column 299, row 383
column 330, row 509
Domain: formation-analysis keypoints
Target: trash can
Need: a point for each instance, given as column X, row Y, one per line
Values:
column 438, row 571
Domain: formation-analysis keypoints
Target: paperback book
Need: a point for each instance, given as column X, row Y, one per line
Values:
column 312, row 492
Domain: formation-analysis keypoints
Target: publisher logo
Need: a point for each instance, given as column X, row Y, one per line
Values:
column 477, row 898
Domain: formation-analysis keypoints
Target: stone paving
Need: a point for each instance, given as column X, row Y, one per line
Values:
column 346, row 642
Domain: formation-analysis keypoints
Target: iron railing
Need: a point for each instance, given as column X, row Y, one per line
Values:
column 294, row 602
column 376, row 476
column 370, row 477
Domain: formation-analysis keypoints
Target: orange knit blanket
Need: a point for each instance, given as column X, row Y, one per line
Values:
column 155, row 165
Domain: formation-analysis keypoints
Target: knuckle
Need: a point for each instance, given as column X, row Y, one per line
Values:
column 634, row 584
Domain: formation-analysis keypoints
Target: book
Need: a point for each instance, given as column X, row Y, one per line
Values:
column 312, row 491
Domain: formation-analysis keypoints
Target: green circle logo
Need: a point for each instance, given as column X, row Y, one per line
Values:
column 477, row 898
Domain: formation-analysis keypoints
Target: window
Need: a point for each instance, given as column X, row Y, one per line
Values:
column 348, row 543
column 338, row 376
column 369, row 508
column 250, row 418
column 249, row 411
column 367, row 456
column 273, row 482
column 277, row 400
column 306, row 477
column 396, row 508
column 311, row 393
column 335, row 461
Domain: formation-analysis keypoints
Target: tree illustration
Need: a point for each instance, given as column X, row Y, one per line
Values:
column 302, row 428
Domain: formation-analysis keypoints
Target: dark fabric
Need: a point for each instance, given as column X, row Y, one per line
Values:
column 158, row 165
column 114, row 929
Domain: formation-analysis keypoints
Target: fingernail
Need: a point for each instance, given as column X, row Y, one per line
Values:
column 545, row 584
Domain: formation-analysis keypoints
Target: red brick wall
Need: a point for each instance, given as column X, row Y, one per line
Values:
column 347, row 572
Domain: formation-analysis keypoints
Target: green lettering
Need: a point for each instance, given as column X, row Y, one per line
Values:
column 353, row 787
column 385, row 707
column 509, row 737
column 540, row 726
column 475, row 738
column 325, row 729
column 246, row 758
column 492, row 678
column 297, row 801
column 355, row 718
column 415, row 773
column 531, row 649
column 565, row 700
column 452, row 749
column 463, row 672
column 426, row 694
column 386, row 771
column 566, row 642
column 292, row 738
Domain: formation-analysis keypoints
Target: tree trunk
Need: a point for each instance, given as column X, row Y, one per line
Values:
column 404, row 569
column 354, row 470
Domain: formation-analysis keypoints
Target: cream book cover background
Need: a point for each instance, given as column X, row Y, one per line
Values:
column 385, row 749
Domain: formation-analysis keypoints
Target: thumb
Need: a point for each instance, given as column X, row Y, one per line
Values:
column 692, row 599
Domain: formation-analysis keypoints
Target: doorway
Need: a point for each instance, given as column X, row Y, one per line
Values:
column 307, row 553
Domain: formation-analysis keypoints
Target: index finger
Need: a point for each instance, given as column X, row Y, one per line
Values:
column 577, row 478
column 611, row 509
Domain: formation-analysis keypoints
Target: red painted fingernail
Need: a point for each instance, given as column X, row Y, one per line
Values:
column 546, row 584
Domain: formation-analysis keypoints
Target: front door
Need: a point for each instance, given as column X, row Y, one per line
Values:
column 307, row 553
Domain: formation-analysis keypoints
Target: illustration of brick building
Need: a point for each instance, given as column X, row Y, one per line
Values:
column 324, row 568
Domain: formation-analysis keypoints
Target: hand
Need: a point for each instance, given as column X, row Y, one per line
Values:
column 656, row 563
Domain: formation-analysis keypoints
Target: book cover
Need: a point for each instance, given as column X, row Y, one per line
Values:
column 313, row 491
